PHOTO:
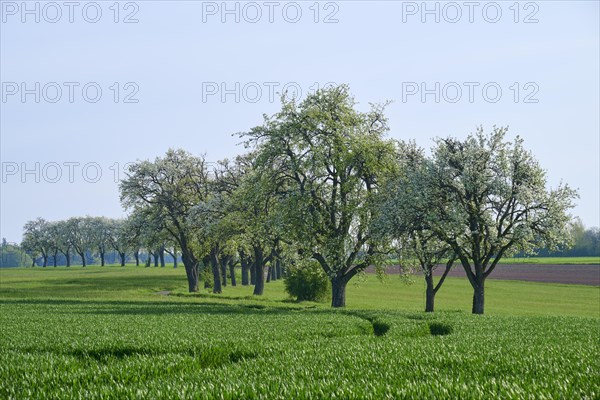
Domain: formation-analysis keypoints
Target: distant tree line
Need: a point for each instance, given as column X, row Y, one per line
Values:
column 320, row 184
column 82, row 239
column 585, row 242
column 13, row 255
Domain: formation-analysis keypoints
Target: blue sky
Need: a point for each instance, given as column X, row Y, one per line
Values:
column 189, row 75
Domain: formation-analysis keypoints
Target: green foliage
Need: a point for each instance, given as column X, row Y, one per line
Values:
column 499, row 197
column 206, row 277
column 586, row 242
column 12, row 255
column 328, row 160
column 165, row 192
column 306, row 282
column 552, row 260
column 36, row 239
column 485, row 198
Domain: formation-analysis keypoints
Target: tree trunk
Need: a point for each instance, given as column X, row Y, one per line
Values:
column 161, row 255
column 245, row 277
column 338, row 291
column 54, row 257
column 205, row 264
column 174, row 258
column 252, row 274
column 259, row 273
column 83, row 263
column 232, row 272
column 223, row 264
column 101, row 258
column 122, row 256
column 259, row 278
column 278, row 268
column 478, row 296
column 192, row 276
column 68, row 257
column 136, row 254
column 33, row 263
column 45, row 257
column 429, row 292
column 155, row 255
column 216, row 273
column 191, row 271
column 269, row 274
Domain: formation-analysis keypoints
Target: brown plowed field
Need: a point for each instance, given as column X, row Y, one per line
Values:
column 569, row 274
column 573, row 274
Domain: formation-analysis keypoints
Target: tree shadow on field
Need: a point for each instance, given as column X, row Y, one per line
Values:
column 86, row 286
column 115, row 307
column 116, row 282
column 204, row 356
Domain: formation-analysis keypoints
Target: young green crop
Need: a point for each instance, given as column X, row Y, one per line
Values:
column 111, row 349
column 131, row 332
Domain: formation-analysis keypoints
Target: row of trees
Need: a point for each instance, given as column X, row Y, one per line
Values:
column 139, row 233
column 87, row 236
column 475, row 201
column 321, row 183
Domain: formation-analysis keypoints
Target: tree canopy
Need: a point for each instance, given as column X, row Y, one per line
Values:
column 328, row 160
column 322, row 183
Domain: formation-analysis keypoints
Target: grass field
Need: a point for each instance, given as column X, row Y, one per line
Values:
column 107, row 333
column 551, row 260
column 544, row 260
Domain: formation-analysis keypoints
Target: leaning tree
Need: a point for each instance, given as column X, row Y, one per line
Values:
column 169, row 187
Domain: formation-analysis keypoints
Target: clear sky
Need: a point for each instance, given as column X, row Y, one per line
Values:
column 82, row 95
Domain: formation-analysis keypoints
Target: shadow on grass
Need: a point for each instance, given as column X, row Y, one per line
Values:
column 115, row 307
column 91, row 283
column 206, row 357
column 116, row 282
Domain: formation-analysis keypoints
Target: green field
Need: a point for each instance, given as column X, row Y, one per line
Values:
column 552, row 260
column 108, row 333
column 542, row 260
